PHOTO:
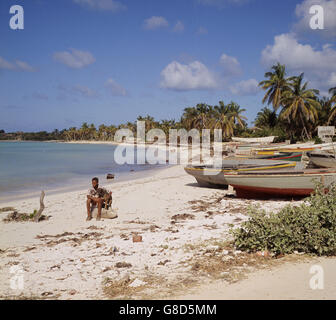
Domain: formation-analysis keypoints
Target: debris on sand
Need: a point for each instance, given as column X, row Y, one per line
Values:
column 21, row 217
column 183, row 216
column 6, row 209
column 123, row 265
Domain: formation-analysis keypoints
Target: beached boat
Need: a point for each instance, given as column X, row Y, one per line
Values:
column 254, row 140
column 322, row 159
column 279, row 183
column 213, row 175
column 272, row 155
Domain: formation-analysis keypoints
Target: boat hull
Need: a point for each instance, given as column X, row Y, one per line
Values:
column 208, row 176
column 322, row 160
column 281, row 185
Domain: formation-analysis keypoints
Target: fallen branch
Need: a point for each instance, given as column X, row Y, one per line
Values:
column 37, row 216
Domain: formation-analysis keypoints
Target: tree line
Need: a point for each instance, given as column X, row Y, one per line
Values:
column 291, row 110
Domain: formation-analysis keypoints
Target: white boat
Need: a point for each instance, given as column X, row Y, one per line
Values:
column 254, row 140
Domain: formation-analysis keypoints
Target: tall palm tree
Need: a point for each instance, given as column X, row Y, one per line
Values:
column 223, row 120
column 235, row 113
column 201, row 119
column 150, row 123
column 187, row 119
column 300, row 105
column 92, row 132
column 276, row 84
column 266, row 118
column 84, row 131
column 332, row 91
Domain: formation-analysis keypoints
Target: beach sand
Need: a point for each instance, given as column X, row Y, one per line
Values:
column 183, row 253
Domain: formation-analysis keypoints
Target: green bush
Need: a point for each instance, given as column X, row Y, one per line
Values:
column 317, row 140
column 308, row 228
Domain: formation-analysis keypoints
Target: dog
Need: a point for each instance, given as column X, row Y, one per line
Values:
column 107, row 201
column 107, row 198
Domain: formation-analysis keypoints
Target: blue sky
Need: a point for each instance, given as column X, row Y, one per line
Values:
column 108, row 61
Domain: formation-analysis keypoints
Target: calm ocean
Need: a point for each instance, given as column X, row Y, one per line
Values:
column 26, row 168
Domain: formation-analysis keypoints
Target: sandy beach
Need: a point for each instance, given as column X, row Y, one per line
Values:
column 184, row 253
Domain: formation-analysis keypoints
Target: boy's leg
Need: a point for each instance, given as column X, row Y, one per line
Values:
column 100, row 205
column 88, row 207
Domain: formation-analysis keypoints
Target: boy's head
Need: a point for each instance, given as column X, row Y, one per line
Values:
column 95, row 182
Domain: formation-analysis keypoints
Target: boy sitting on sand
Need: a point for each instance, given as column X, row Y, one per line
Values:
column 97, row 196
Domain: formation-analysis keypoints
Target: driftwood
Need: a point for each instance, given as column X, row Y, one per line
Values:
column 38, row 214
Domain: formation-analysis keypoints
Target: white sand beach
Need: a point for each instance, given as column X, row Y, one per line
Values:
column 183, row 253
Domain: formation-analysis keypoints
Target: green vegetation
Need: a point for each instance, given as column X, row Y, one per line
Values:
column 308, row 228
column 296, row 112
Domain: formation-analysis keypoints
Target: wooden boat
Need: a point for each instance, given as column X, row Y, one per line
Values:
column 213, row 176
column 279, row 183
column 302, row 147
column 254, row 140
column 272, row 155
column 322, row 159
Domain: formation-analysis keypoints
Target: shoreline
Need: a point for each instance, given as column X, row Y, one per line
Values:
column 185, row 234
column 79, row 186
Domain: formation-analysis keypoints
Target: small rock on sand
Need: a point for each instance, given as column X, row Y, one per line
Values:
column 137, row 283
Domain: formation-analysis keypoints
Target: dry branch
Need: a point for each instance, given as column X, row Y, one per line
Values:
column 39, row 213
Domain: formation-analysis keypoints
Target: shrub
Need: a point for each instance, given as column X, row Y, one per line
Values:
column 308, row 228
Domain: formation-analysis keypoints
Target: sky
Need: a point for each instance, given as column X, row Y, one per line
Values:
column 109, row 61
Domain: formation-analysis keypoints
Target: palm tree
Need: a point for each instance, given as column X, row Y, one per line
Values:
column 332, row 91
column 92, row 132
column 166, row 125
column 84, row 131
column 111, row 130
column 235, row 113
column 201, row 119
column 102, row 132
column 223, row 120
column 266, row 118
column 300, row 105
column 332, row 102
column 187, row 119
column 276, row 84
column 150, row 122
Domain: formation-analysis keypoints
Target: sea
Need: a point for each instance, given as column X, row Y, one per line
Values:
column 26, row 168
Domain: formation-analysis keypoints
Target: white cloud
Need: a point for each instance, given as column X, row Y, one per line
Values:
column 114, row 88
column 245, row 88
column 75, row 59
column 24, row 66
column 108, row 5
column 4, row 64
column 179, row 27
column 319, row 66
column 18, row 65
column 202, row 30
column 192, row 76
column 155, row 23
column 230, row 65
column 302, row 12
column 84, row 91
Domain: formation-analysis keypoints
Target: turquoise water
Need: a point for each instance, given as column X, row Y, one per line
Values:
column 29, row 167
